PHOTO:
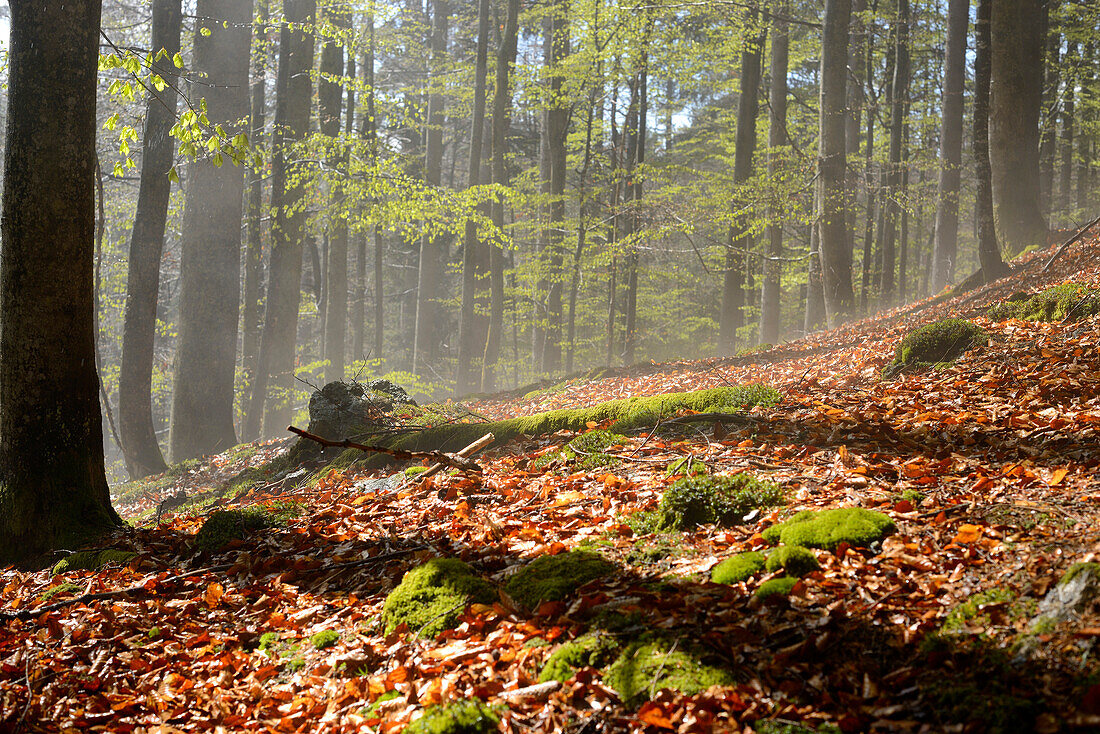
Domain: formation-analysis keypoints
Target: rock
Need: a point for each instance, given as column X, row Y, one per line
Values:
column 342, row 410
column 1077, row 589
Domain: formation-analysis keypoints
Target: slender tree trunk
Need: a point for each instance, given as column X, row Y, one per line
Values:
column 1086, row 145
column 53, row 491
column 471, row 325
column 502, row 100
column 945, row 250
column 869, row 182
column 1065, row 189
column 210, row 261
column 1016, row 95
column 330, row 92
column 135, row 412
column 989, row 252
column 273, row 388
column 1048, row 132
column 815, row 294
column 898, row 105
column 777, row 139
column 557, row 119
column 835, row 244
column 634, row 190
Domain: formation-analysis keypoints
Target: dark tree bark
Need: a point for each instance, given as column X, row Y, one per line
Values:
column 869, row 181
column 433, row 250
column 835, row 245
column 777, row 138
column 732, row 316
column 898, row 105
column 636, row 154
column 210, row 260
column 330, row 95
column 293, row 94
column 502, row 101
column 1048, row 132
column 1065, row 188
column 471, row 325
column 557, row 127
column 945, row 249
column 989, row 251
column 135, row 413
column 1086, row 143
column 1016, row 95
column 253, row 251
column 53, row 492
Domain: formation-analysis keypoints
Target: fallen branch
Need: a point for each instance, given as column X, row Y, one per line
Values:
column 1065, row 245
column 466, row 452
column 538, row 690
column 440, row 457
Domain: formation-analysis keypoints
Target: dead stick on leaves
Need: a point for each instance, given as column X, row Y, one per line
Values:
column 441, row 458
column 1062, row 248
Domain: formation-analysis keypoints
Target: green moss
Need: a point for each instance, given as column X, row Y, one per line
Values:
column 324, row 638
column 295, row 664
column 643, row 554
column 592, row 650
column 912, row 496
column 646, row 667
column 738, row 568
column 990, row 705
column 65, row 587
column 431, row 596
column 829, row 528
column 224, row 526
column 792, row 559
column 589, row 450
column 724, row 500
column 93, row 560
column 472, row 716
column 935, row 343
column 642, row 523
column 184, row 467
column 1065, row 302
column 1078, row 568
column 551, row 578
column 153, row 632
column 414, row 471
column 781, row 586
column 536, row 642
column 689, row 466
column 789, row 727
column 970, row 611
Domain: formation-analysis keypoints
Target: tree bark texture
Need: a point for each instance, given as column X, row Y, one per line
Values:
column 945, row 249
column 53, row 492
column 891, row 207
column 557, row 125
column 210, row 260
column 330, row 96
column 770, row 302
column 989, row 251
column 135, row 414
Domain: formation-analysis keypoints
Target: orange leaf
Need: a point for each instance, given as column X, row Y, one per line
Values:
column 654, row 716
column 1058, row 476
column 968, row 534
column 213, row 594
column 591, row 424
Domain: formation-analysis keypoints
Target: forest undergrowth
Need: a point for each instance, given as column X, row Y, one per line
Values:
column 985, row 468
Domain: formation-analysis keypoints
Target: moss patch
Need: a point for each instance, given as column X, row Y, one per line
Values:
column 781, row 586
column 1065, row 302
column 472, row 716
column 93, row 560
column 646, row 667
column 738, row 568
column 551, row 578
column 225, row 526
column 66, row 587
column 941, row 341
column 688, row 466
column 1077, row 569
column 793, row 560
column 970, row 611
column 431, row 596
column 829, row 528
column 592, row 650
column 724, row 500
column 324, row 638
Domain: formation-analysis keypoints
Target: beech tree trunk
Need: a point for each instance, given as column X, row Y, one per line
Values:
column 835, row 245
column 557, row 119
column 898, row 105
column 53, row 492
column 1048, row 121
column 777, row 138
column 1016, row 94
column 989, row 251
column 1065, row 188
column 945, row 249
column 330, row 95
column 272, row 395
column 135, row 414
column 210, row 261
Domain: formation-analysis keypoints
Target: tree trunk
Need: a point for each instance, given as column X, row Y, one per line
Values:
column 1016, row 94
column 1065, row 189
column 53, row 492
column 835, row 245
column 502, row 99
column 634, row 190
column 1086, row 142
column 471, row 325
column 989, row 252
column 253, row 256
column 869, row 182
column 1049, row 114
column 770, row 303
column 945, row 249
column 898, row 105
column 433, row 249
column 273, row 389
column 135, row 413
column 557, row 119
column 210, row 261
column 732, row 316
column 330, row 94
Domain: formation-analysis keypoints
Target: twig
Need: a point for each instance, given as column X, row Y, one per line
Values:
column 439, row 457
column 466, row 452
column 1075, row 238
column 539, row 690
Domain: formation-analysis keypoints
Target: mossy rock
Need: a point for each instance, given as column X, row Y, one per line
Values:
column 722, row 500
column 739, row 568
column 936, row 343
column 93, row 560
column 225, row 526
column 324, row 639
column 552, row 578
column 794, row 560
column 592, row 650
column 827, row 529
column 1065, row 302
column 781, row 586
column 1077, row 569
column 472, row 716
column 647, row 666
column 431, row 596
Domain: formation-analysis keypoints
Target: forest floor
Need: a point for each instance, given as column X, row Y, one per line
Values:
column 987, row 466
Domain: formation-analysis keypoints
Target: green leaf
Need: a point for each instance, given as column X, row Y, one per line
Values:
column 178, row 60
column 173, row 176
column 204, row 31
column 217, row 160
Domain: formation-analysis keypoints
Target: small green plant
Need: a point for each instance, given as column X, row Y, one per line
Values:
column 324, row 638
column 269, row 641
column 431, row 596
column 471, row 716
column 550, row 578
column 738, row 568
column 295, row 664
column 827, row 529
column 372, row 711
column 723, row 500
column 935, row 343
column 793, row 560
column 1065, row 302
column 153, row 632
column 781, row 586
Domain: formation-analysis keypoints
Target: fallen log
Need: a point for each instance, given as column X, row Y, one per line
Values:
column 441, row 458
